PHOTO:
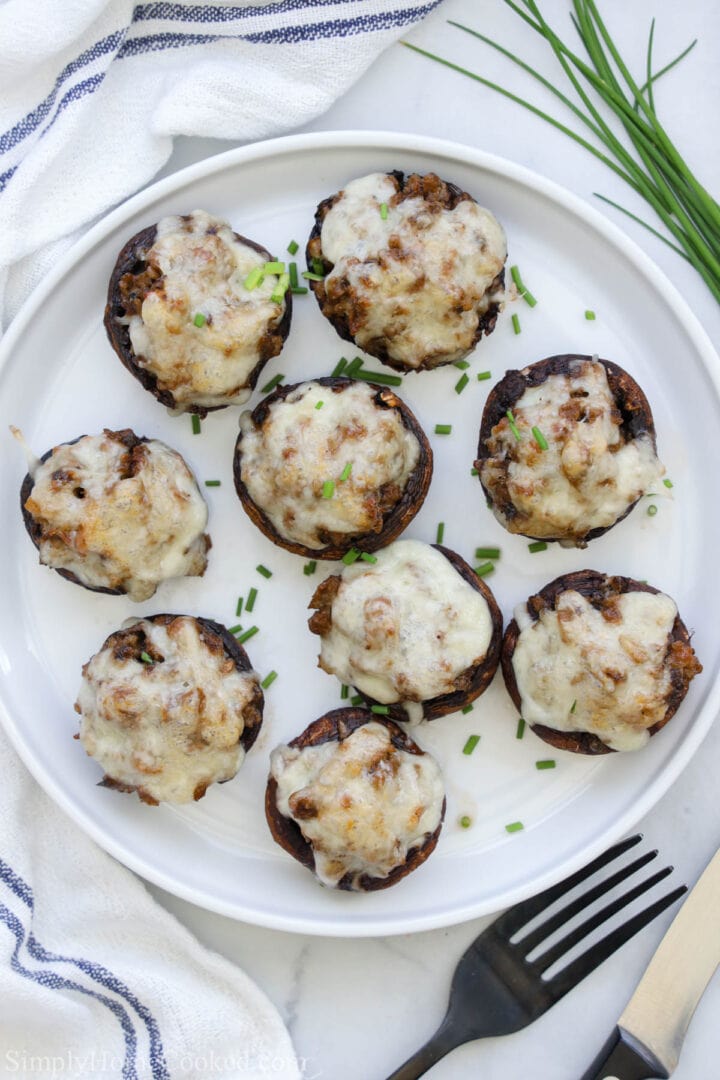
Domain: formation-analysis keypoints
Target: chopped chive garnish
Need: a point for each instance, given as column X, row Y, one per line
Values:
column 522, row 287
column 470, row 745
column 357, row 700
column 573, row 706
column 309, row 568
column 668, row 483
column 328, row 489
column 367, row 557
column 239, row 608
column 353, row 367
column 293, row 275
column 440, row 532
column 378, row 377
column 484, row 569
column 462, row 383
column 652, row 510
column 383, row 211
column 247, row 635
column 264, row 571
column 381, row 710
column 275, row 381
column 547, row 763
column 465, row 821
column 298, row 290
column 212, row 483
column 317, row 267
column 487, row 553
column 344, row 692
column 467, row 709
column 235, row 629
column 351, row 556
column 254, row 278
column 482, row 375
column 293, row 247
column 516, row 324
column 195, row 424
column 537, row 545
column 309, row 276
column 590, row 315
column 520, row 728
column 345, row 474
column 274, row 267
column 462, row 364
column 339, row 367
column 146, row 658
column 252, row 596
column 540, row 438
column 269, row 680
column 200, row 319
column 280, row 289
column 443, row 429
column 513, row 425
column 319, row 404
column 514, row 826
column 474, row 472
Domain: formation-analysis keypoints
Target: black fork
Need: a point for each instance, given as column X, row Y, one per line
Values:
column 496, row 990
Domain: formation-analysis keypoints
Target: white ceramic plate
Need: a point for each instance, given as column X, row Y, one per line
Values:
column 60, row 378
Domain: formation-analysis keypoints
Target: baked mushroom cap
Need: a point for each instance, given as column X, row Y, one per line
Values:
column 355, row 800
column 416, row 631
column 596, row 663
column 324, row 466
column 567, row 447
column 191, row 315
column 116, row 513
column 412, row 268
column 168, row 706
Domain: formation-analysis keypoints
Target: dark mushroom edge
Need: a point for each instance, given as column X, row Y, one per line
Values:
column 413, row 185
column 637, row 418
column 335, row 726
column 471, row 683
column 131, row 280
column 596, row 588
column 397, row 518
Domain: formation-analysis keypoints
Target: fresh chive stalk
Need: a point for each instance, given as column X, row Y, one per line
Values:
column 466, row 710
column 470, row 745
column 235, row 629
column 293, row 247
column 328, row 489
column 462, row 383
column 487, row 553
column 537, row 545
column 381, row 710
column 146, row 658
column 520, row 728
column 384, row 210
column 264, row 571
column 514, row 826
column 367, row 557
column 319, row 404
column 254, row 278
column 339, row 367
column 200, row 319
column 298, row 290
column 474, row 472
column 547, row 763
column 540, row 438
column 513, row 425
column 516, row 324
column 378, row 377
column 293, row 275
column 351, row 556
column 309, row 568
column 344, row 692
column 316, row 265
column 212, row 483
column 247, row 635
column 252, row 597
column 275, row 381
column 357, row 700
column 483, row 375
column 668, row 483
column 439, row 535
column 443, row 429
column 274, row 267
column 465, row 822
column 590, row 315
column 345, row 474
column 310, row 276
column 484, row 569
column 280, row 289
column 354, row 367
column 573, row 706
column 239, row 608
column 195, row 424
column 462, row 364
column 269, row 680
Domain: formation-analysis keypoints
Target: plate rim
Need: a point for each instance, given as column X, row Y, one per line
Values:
column 355, row 925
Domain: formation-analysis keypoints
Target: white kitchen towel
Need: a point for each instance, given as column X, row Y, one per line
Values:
column 96, row 979
column 93, row 91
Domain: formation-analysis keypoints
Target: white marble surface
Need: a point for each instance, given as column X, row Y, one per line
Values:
column 357, row 1008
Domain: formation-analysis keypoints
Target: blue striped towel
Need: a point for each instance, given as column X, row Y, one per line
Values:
column 92, row 93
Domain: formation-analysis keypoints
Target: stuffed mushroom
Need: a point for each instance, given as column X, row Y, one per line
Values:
column 355, row 800
column 596, row 663
column 416, row 630
column 333, row 464
column 194, row 311
column 116, row 513
column 168, row 706
column 410, row 268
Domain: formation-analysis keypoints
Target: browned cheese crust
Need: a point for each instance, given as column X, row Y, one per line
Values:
column 132, row 642
column 398, row 508
column 345, row 311
column 470, row 684
column 335, row 726
column 135, row 275
column 632, row 405
column 601, row 590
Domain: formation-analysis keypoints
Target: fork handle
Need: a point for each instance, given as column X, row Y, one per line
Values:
column 445, row 1039
column 625, row 1058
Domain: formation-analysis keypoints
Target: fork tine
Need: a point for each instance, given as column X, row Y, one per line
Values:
column 522, row 913
column 570, row 976
column 531, row 941
column 555, row 952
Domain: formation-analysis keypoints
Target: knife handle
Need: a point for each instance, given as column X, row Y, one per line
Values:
column 625, row 1058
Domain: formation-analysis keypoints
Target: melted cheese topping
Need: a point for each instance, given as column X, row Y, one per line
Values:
column 588, row 476
column 171, row 727
column 420, row 278
column 117, row 531
column 578, row 669
column 405, row 627
column 362, row 803
column 204, row 268
column 287, row 461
